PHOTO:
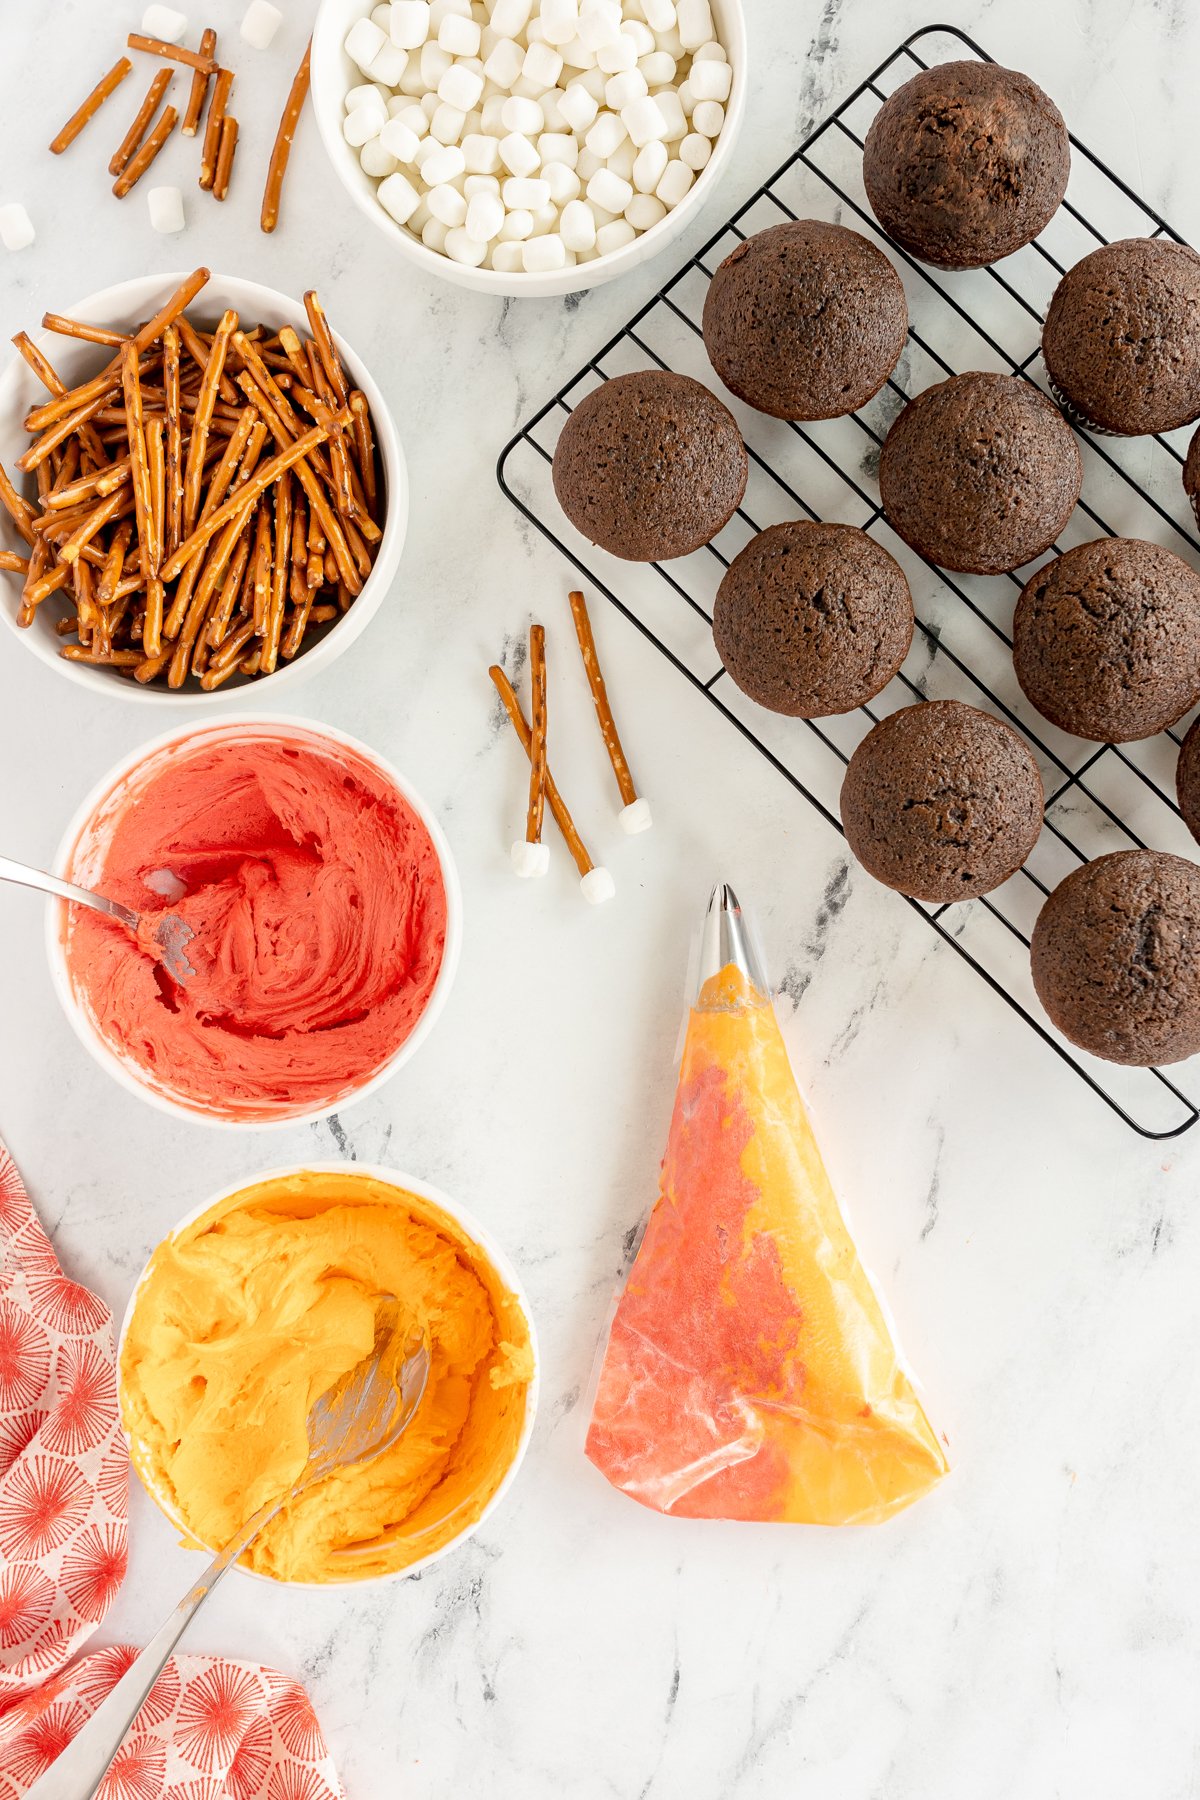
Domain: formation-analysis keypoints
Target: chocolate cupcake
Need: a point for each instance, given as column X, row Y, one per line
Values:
column 1121, row 340
column 965, row 163
column 980, row 473
column 1191, row 474
column 942, row 802
column 1106, row 640
column 805, row 320
column 1116, row 957
column 813, row 619
column 1187, row 780
column 650, row 466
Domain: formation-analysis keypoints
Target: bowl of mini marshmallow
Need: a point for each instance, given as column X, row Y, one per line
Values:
column 529, row 147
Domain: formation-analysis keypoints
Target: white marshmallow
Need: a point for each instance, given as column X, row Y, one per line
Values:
column 401, row 107
column 510, row 17
column 593, row 80
column 165, row 23
column 399, row 140
column 694, row 23
column 434, row 63
column 619, row 55
column 622, row 160
column 642, row 36
column 504, row 64
column 545, row 218
column 447, row 123
column 657, row 69
column 409, row 25
column 560, row 21
column 460, row 87
column 709, row 116
column 710, row 80
column 614, row 236
column 608, row 190
column 447, row 204
column 517, row 226
column 166, row 209
column 597, row 886
column 399, row 197
column 445, row 163
column 364, row 122
column 376, row 161
column 695, row 150
column 426, row 147
column 650, row 166
column 635, row 817
column 485, row 216
column 668, row 104
column 645, row 211
column 599, row 23
column 545, row 254
column 363, row 43
column 480, row 184
column 588, row 163
column 564, row 183
column 461, row 247
column 507, row 257
column 434, row 235
column 578, row 225
column 493, row 106
column 530, row 861
column 620, row 89
column 608, row 131
column 523, row 116
column 542, row 65
column 644, row 120
column 459, row 36
column 421, row 217
column 481, row 153
column 525, row 194
column 675, row 183
column 411, row 82
column 712, row 52
column 361, row 95
column 576, row 54
column 441, row 9
column 660, row 14
column 558, row 147
column 259, row 24
column 578, row 107
column 518, row 155
column 389, row 66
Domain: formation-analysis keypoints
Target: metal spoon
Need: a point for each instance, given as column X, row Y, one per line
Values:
column 170, row 934
column 358, row 1419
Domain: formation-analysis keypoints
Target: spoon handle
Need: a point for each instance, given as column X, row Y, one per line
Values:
column 50, row 884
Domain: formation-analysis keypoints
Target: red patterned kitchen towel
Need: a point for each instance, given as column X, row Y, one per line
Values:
column 211, row 1729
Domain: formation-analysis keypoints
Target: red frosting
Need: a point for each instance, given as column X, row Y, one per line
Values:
column 319, row 908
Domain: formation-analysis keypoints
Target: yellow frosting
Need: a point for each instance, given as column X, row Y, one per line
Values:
column 246, row 1316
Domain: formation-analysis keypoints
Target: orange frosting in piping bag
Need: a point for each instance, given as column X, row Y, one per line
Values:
column 749, row 1372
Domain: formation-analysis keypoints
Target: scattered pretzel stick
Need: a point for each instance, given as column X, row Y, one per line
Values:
column 195, row 59
column 269, row 217
column 137, row 165
column 212, row 131
column 557, row 804
column 636, row 813
column 107, row 84
column 225, row 151
column 199, row 88
column 537, row 751
column 141, row 121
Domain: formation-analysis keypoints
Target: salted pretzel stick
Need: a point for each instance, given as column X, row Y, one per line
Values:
column 195, row 59
column 537, row 750
column 96, row 519
column 138, row 164
column 46, row 373
column 198, row 345
column 365, row 445
column 75, row 328
column 279, row 575
column 342, row 485
column 141, row 121
column 214, row 570
column 36, row 588
column 252, row 441
column 262, row 571
column 212, row 131
column 107, row 84
column 635, row 814
column 331, row 524
column 199, row 89
column 203, row 416
column 173, row 516
column 149, row 334
column 557, row 804
column 157, row 464
column 17, row 508
column 269, row 217
column 225, row 150
column 316, row 549
column 114, row 562
column 10, row 560
column 131, row 383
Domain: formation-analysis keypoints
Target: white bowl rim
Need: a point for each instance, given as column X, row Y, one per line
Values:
column 732, row 32
column 91, row 1038
column 344, row 631
column 497, row 1257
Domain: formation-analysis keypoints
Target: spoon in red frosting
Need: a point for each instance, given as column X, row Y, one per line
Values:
column 168, row 934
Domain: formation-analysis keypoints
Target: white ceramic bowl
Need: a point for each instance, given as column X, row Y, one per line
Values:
column 479, row 1236
column 125, row 306
column 128, row 1073
column 333, row 75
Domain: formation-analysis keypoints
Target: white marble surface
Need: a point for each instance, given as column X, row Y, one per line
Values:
column 1030, row 1630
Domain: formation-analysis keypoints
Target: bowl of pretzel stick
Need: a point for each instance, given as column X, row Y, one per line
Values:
column 201, row 488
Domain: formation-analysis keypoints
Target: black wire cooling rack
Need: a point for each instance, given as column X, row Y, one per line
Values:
column 1097, row 798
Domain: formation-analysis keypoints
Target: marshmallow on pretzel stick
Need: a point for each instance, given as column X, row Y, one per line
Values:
column 530, row 857
column 596, row 884
column 635, row 813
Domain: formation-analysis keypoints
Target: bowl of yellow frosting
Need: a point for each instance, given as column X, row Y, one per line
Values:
column 258, row 1302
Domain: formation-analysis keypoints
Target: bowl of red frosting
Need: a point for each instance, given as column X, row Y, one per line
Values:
column 325, row 908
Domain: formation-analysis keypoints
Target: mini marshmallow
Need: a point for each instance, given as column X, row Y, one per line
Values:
column 445, row 163
column 709, row 116
column 588, row 163
column 363, row 43
column 434, row 63
column 695, row 150
column 578, row 225
column 447, row 123
column 645, row 211
column 710, row 80
column 429, row 103
column 165, row 206
column 459, row 36
column 578, row 108
column 401, row 107
column 645, row 120
column 542, row 65
column 608, row 131
column 447, row 204
column 493, row 106
column 650, row 166
column 712, row 52
column 426, row 148
column 597, row 886
column 382, row 16
column 642, row 36
column 545, row 218
column 389, row 66
column 610, row 191
column 399, row 140
column 434, row 235
column 399, row 197
column 635, row 817
column 530, row 861
column 409, row 25
column 364, row 122
column 552, row 110
column 525, row 89
column 507, row 258
column 694, row 23
column 411, row 83
column 558, row 147
column 461, row 247
column 545, row 254
column 599, row 23
column 421, row 216
column 524, row 194
column 564, row 183
column 614, row 57
column 504, row 64
column 593, row 80
column 481, row 153
column 518, row 155
column 676, row 181
column 441, row 9
column 361, row 95
column 377, row 161
column 460, row 87
column 259, row 24
column 614, row 236
column 622, row 160
column 620, row 89
column 517, row 226
column 668, row 104
column 576, row 54
column 560, row 21
column 658, row 69
column 510, row 17
column 165, row 23
column 523, row 116
column 660, row 15
column 485, row 216
column 480, row 184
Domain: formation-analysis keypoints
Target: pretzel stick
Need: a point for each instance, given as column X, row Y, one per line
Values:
column 199, row 89
column 153, row 46
column 316, row 550
column 537, row 749
column 608, row 725
column 262, row 571
column 212, row 131
column 106, row 85
column 563, row 819
column 279, row 575
column 10, row 560
column 114, row 562
column 203, row 416
column 225, row 150
column 269, row 217
column 18, row 510
column 96, row 519
column 46, row 373
column 74, row 328
column 322, row 410
column 156, row 461
column 141, row 120
column 113, row 659
column 198, row 346
column 365, row 446
column 35, row 588
column 49, row 441
column 252, row 441
column 110, row 375
column 131, row 382
column 138, row 165
column 224, row 663
column 173, row 526
column 331, row 525
column 214, row 569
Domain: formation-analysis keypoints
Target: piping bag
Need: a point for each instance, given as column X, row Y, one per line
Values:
column 749, row 1371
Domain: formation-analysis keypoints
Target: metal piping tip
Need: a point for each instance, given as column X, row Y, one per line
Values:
column 725, row 940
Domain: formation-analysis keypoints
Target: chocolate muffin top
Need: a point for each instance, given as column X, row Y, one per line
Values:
column 1191, row 473
column 813, row 619
column 650, row 466
column 980, row 473
column 1106, row 640
column 1187, row 780
column 941, row 801
column 1121, row 340
column 805, row 320
column 1116, row 957
column 965, row 163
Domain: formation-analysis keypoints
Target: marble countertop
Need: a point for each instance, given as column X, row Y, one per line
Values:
column 1030, row 1629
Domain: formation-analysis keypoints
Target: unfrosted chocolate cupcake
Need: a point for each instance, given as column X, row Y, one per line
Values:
column 966, row 163
column 1106, row 640
column 805, row 320
column 942, row 801
column 650, row 466
column 1187, row 780
column 1121, row 340
column 1116, row 957
column 813, row 619
column 1191, row 474
column 980, row 473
